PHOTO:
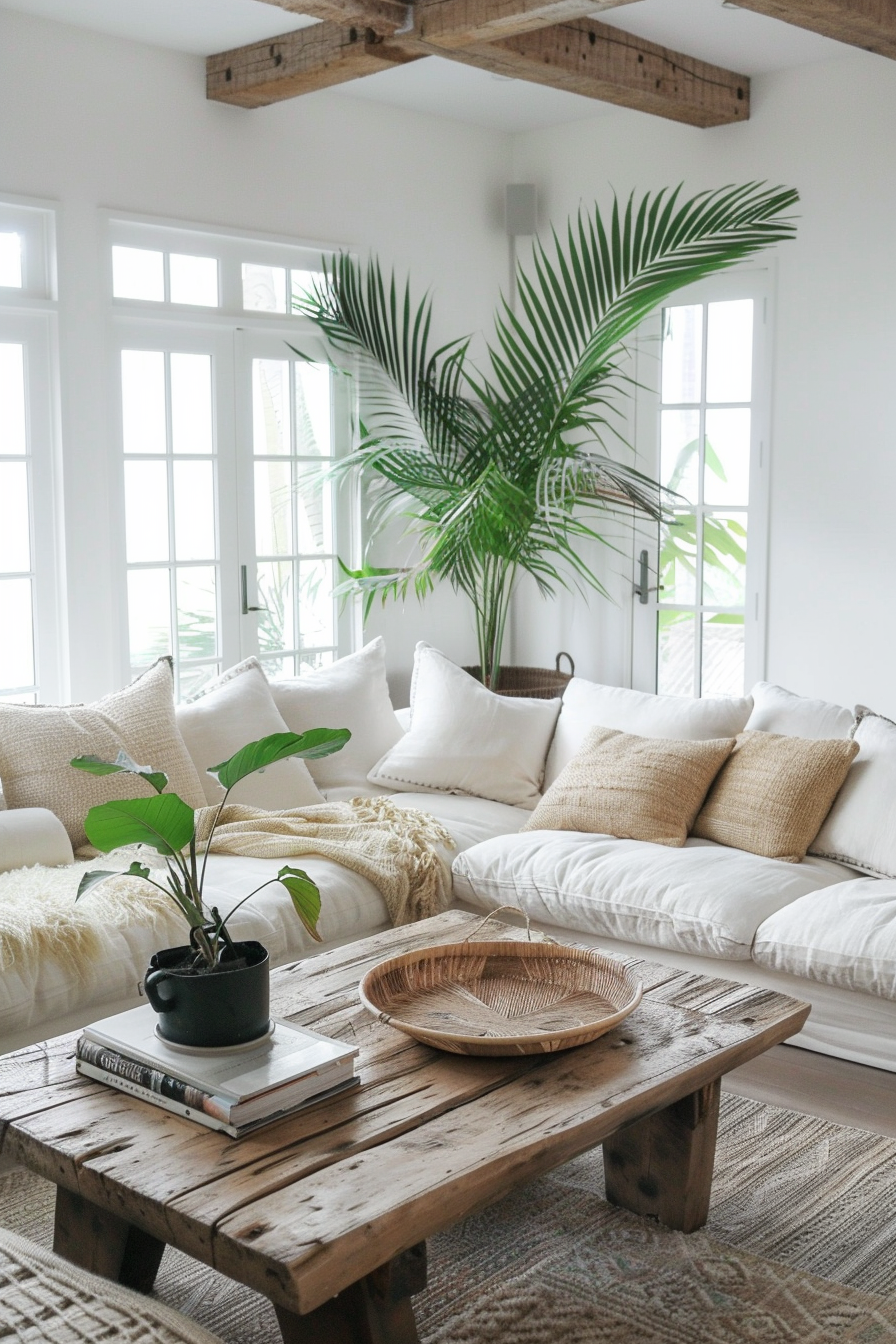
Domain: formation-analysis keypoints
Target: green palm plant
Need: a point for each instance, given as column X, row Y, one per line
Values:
column 508, row 471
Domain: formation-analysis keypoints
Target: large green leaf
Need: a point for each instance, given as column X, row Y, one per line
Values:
column 165, row 822
column 121, row 765
column 91, row 880
column 305, row 897
column 267, row 751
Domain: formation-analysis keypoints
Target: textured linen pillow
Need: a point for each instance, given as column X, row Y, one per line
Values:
column 587, row 705
column 636, row 788
column 778, row 711
column 38, row 741
column 351, row 693
column 465, row 739
column 773, row 794
column 235, row 709
column 860, row 828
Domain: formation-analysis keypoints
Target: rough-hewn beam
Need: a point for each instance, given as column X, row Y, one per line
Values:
column 457, row 23
column 301, row 62
column 603, row 62
column 861, row 23
column 384, row 16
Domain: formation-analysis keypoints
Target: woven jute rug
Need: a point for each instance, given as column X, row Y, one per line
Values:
column 800, row 1247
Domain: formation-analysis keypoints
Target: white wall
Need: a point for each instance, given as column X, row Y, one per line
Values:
column 828, row 130
column 91, row 121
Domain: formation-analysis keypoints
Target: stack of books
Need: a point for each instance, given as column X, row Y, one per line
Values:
column 232, row 1089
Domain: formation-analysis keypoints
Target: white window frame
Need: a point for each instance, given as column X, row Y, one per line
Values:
column 757, row 283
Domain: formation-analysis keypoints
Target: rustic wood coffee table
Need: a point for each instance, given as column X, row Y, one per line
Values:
column 327, row 1213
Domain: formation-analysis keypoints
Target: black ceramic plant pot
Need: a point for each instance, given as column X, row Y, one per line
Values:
column 229, row 1005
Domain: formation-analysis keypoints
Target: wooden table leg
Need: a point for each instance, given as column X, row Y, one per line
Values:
column 99, row 1241
column 662, row 1166
column 375, row 1310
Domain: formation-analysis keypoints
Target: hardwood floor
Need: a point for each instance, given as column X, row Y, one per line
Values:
column 848, row 1094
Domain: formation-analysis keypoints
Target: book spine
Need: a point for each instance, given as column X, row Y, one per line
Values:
column 166, row 1103
column 153, row 1080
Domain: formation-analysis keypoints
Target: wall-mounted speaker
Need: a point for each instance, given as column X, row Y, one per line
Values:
column 520, row 209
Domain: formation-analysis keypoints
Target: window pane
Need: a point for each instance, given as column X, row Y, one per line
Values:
column 678, row 560
column 191, row 681
column 305, row 282
column 15, row 523
column 273, row 508
column 317, row 624
column 264, row 288
column 312, row 662
column 149, row 615
column 193, row 280
column 314, row 505
column 724, row 560
column 676, row 660
column 17, row 644
column 279, row 667
column 313, row 428
column 10, row 260
column 197, row 613
column 191, row 403
column 680, row 452
column 723, row 655
column 12, row 400
column 726, row 478
column 682, row 352
column 276, row 623
column 194, row 511
column 729, row 352
column 146, row 511
column 270, row 406
column 138, row 274
column 143, row 401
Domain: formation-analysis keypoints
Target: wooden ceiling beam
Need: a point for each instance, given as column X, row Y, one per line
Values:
column 301, row 62
column 459, row 23
column 383, row 16
column 870, row 24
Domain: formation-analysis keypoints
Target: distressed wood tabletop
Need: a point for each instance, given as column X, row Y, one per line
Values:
column 339, row 1199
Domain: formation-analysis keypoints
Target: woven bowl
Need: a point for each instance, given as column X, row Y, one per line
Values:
column 501, row 998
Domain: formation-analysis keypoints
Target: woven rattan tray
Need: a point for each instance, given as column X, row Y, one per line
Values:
column 501, row 998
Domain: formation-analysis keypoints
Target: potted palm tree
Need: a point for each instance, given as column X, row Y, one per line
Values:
column 508, row 471
column 212, row 991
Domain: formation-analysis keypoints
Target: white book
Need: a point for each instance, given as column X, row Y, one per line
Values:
column 238, row 1073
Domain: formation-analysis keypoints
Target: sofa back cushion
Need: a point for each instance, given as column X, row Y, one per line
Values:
column 37, row 742
column 636, row 788
column 587, row 705
column 773, row 793
column 860, row 828
column 776, row 710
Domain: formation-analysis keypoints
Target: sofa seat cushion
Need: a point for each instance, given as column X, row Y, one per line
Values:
column 843, row 936
column 703, row 899
column 469, row 821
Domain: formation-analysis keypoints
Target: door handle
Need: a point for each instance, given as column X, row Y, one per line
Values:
column 642, row 587
column 244, row 593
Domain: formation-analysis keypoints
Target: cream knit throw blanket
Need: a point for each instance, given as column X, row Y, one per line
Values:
column 394, row 847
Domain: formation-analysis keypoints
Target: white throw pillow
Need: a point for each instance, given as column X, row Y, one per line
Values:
column 778, row 711
column 234, row 710
column 860, row 828
column 351, row 693
column 465, row 739
column 587, row 705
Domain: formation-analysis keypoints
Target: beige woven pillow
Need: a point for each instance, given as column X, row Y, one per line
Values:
column 637, row 788
column 38, row 741
column 774, row 792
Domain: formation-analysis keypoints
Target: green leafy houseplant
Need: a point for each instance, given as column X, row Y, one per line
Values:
column 507, row 471
column 167, row 824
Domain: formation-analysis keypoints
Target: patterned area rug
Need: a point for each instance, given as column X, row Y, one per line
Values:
column 800, row 1248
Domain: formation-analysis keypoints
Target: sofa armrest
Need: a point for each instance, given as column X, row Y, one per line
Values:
column 30, row 835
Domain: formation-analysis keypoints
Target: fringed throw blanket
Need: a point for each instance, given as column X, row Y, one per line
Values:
column 396, row 848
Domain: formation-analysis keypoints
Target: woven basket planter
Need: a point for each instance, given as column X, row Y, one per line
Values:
column 536, row 683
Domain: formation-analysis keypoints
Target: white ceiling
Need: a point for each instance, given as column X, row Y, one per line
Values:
column 735, row 38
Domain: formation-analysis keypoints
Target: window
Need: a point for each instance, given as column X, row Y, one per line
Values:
column 29, row 654
column 230, row 535
column 707, row 637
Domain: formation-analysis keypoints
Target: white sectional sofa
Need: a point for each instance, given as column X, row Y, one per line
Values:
column 819, row 929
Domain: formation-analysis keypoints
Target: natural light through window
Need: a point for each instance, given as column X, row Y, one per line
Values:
column 705, row 437
column 17, row 652
column 10, row 261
